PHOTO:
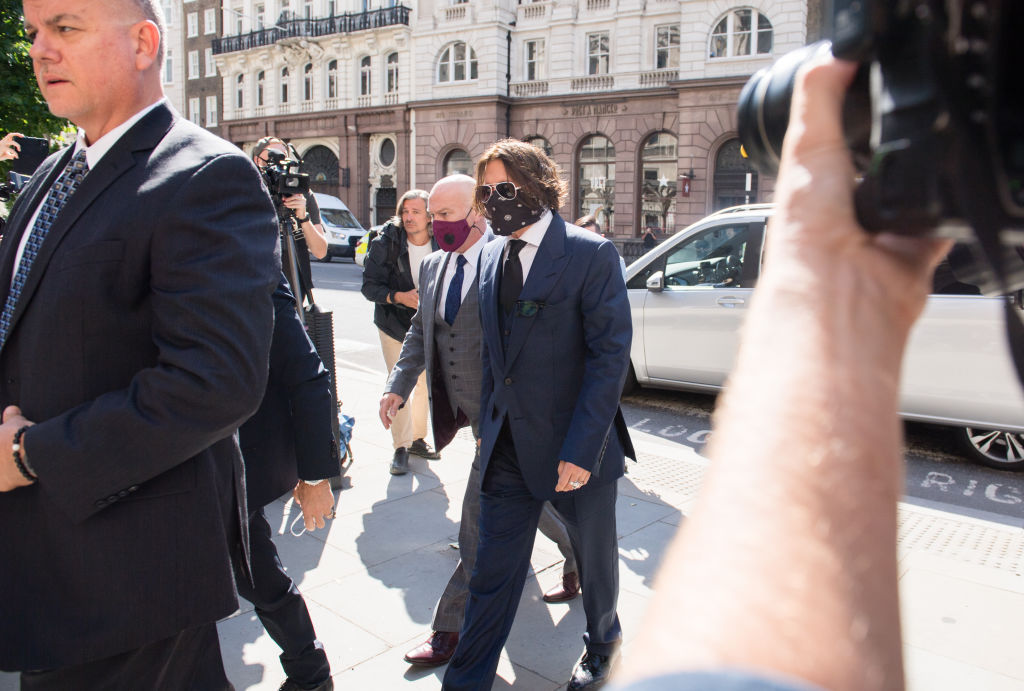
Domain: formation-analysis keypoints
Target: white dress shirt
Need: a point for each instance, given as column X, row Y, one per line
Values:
column 469, row 271
column 532, row 238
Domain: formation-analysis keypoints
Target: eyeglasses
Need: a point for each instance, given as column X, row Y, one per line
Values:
column 505, row 190
column 527, row 308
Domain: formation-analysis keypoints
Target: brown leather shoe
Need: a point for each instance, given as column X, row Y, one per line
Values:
column 436, row 650
column 568, row 590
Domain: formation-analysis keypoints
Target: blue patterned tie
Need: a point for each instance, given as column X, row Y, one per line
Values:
column 59, row 194
column 454, row 298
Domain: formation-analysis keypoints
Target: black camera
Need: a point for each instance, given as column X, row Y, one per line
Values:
column 32, row 152
column 283, row 177
column 934, row 120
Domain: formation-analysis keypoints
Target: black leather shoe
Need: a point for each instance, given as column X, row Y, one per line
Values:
column 422, row 449
column 592, row 671
column 400, row 461
column 289, row 685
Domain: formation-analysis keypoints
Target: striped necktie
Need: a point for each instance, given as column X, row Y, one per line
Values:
column 59, row 194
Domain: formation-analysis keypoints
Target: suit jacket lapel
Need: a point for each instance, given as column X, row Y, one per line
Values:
column 547, row 267
column 490, row 264
column 144, row 135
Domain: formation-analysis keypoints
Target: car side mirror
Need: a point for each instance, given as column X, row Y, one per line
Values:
column 656, row 282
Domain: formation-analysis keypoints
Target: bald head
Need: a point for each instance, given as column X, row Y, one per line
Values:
column 451, row 199
column 453, row 189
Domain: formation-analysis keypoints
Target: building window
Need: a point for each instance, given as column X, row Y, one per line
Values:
column 193, row 64
column 192, row 22
column 168, row 13
column 666, row 52
column 211, row 64
column 261, row 80
column 261, row 15
column 392, row 80
column 169, row 66
column 457, row 64
column 365, row 75
column 730, row 179
column 238, row 19
column 210, row 21
column 307, row 9
column 596, row 170
column 332, row 79
column 211, row 111
column 659, row 175
column 734, row 36
column 458, row 161
column 240, row 91
column 307, row 82
column 597, row 53
column 193, row 110
column 534, row 54
column 541, row 143
column 332, row 8
column 284, row 84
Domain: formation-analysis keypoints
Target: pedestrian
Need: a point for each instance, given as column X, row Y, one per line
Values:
column 289, row 445
column 444, row 341
column 589, row 222
column 137, row 315
column 556, row 334
column 650, row 238
column 391, row 275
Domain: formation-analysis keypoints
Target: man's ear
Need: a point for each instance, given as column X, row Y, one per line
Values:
column 147, row 44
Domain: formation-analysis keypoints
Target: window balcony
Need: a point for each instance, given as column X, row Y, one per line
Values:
column 312, row 28
column 391, row 99
column 527, row 89
column 658, row 77
column 534, row 11
column 363, row 101
column 597, row 82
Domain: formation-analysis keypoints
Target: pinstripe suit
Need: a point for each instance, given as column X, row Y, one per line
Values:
column 454, row 382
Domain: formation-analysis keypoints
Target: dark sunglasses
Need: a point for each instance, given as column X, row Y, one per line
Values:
column 527, row 308
column 505, row 190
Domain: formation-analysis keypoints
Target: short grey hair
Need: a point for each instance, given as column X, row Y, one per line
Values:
column 153, row 11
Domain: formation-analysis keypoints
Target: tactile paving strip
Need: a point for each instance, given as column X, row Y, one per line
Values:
column 966, row 541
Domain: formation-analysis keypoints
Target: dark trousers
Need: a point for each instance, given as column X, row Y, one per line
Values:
column 190, row 660
column 281, row 609
column 509, row 514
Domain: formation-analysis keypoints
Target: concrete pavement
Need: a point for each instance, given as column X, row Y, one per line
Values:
column 372, row 578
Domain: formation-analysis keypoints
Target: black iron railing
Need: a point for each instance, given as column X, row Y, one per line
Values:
column 311, row 28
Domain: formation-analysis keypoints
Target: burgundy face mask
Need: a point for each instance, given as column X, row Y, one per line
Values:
column 450, row 235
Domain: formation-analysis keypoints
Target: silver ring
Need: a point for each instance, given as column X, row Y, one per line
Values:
column 331, row 514
column 576, row 484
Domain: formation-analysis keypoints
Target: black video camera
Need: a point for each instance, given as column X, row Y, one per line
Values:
column 32, row 152
column 934, row 119
column 283, row 178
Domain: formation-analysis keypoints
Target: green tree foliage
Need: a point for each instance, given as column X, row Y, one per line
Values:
column 22, row 108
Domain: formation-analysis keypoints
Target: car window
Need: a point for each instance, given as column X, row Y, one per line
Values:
column 711, row 257
column 339, row 217
column 945, row 282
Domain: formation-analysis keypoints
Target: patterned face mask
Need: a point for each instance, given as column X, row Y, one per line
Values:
column 508, row 216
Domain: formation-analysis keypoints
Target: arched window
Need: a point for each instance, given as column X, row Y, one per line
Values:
column 240, row 91
column 731, row 170
column 659, row 170
column 596, row 167
column 307, row 82
column 365, row 76
column 261, row 79
column 458, row 161
column 392, row 80
column 332, row 79
column 541, row 143
column 735, row 35
column 284, row 84
column 457, row 64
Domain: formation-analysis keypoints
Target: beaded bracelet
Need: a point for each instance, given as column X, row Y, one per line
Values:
column 16, row 452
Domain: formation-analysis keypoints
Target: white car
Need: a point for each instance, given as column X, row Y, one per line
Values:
column 690, row 294
column 342, row 229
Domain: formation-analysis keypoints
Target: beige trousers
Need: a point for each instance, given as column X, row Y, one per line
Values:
column 411, row 421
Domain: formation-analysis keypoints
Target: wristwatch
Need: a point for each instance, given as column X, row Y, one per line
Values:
column 314, row 483
column 300, row 221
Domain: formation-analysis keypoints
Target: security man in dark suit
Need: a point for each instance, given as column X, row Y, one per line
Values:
column 556, row 336
column 289, row 438
column 135, row 284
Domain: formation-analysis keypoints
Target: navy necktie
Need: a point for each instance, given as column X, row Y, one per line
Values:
column 59, row 194
column 454, row 298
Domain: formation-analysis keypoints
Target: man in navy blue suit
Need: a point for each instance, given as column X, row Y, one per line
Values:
column 556, row 338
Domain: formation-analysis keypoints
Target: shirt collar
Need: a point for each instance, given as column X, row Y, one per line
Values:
column 535, row 233
column 99, row 148
column 472, row 255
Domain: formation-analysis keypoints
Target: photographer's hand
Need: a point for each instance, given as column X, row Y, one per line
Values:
column 316, row 502
column 316, row 241
column 9, row 148
column 409, row 298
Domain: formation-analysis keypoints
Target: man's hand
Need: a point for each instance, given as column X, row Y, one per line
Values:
column 571, row 477
column 409, row 298
column 10, row 476
column 9, row 148
column 389, row 405
column 297, row 203
column 316, row 502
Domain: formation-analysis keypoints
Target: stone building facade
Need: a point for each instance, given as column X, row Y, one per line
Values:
column 635, row 99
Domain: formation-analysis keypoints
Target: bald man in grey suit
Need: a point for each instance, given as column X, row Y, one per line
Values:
column 444, row 339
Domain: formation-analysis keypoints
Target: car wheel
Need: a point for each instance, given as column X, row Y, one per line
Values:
column 632, row 385
column 994, row 448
